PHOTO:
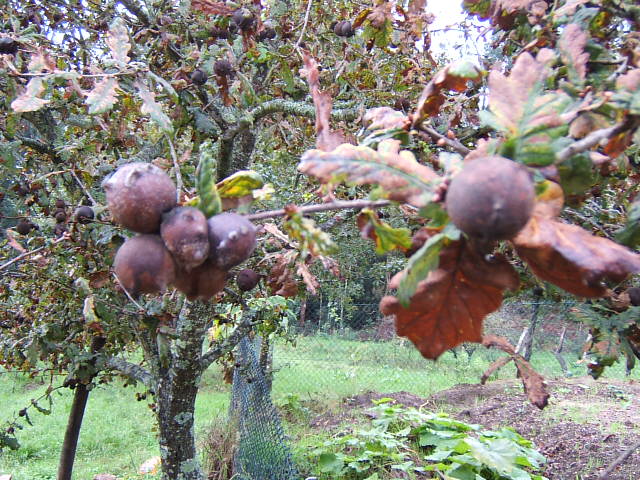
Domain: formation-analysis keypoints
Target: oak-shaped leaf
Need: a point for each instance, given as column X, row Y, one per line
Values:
column 103, row 96
column 571, row 257
column 449, row 306
column 29, row 100
column 41, row 61
column 572, row 44
column 212, row 8
column 533, row 383
column 153, row 108
column 118, row 41
column 326, row 139
column 385, row 236
column 280, row 279
column 395, row 171
column 308, row 278
column 454, row 77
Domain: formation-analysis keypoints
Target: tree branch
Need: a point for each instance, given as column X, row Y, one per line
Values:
column 229, row 343
column 33, row 252
column 595, row 137
column 134, row 8
column 626, row 454
column 438, row 137
column 131, row 370
column 323, row 207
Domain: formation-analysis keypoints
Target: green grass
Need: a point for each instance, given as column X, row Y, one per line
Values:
column 118, row 432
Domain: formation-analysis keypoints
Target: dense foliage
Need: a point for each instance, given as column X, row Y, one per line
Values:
column 207, row 90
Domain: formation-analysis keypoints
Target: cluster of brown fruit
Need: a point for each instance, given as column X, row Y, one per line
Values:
column 491, row 199
column 176, row 245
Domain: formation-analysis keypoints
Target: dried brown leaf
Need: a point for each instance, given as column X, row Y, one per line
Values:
column 280, row 279
column 13, row 243
column 533, row 383
column 383, row 118
column 450, row 304
column 327, row 139
column 629, row 81
column 212, row 8
column 308, row 278
column 570, row 257
column 494, row 367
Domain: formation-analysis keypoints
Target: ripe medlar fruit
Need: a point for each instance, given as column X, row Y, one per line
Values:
column 247, row 279
column 223, row 68
column 198, row 77
column 343, row 29
column 634, row 295
column 491, row 198
column 8, row 46
column 24, row 226
column 232, row 239
column 243, row 18
column 144, row 265
column 84, row 214
column 138, row 194
column 269, row 33
column 201, row 283
column 217, row 32
column 184, row 231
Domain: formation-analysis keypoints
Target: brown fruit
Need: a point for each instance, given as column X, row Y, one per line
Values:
column 247, row 279
column 24, row 226
column 138, row 194
column 201, row 283
column 184, row 231
column 232, row 239
column 198, row 77
column 217, row 32
column 269, row 33
column 84, row 214
column 60, row 216
column 60, row 204
column 243, row 19
column 491, row 198
column 8, row 46
column 223, row 68
column 144, row 265
column 634, row 295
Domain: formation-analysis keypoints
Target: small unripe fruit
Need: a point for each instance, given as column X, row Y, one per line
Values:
column 8, row 46
column 144, row 265
column 138, row 194
column 247, row 279
column 232, row 239
column 223, row 68
column 24, row 226
column 84, row 214
column 243, row 18
column 491, row 198
column 198, row 77
column 201, row 283
column 184, row 231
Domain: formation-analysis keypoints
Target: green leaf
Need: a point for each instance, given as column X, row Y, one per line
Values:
column 386, row 237
column 209, row 198
column 330, row 463
column 153, row 109
column 421, row 263
column 103, row 96
column 576, row 174
column 118, row 41
column 29, row 101
column 165, row 85
column 630, row 234
column 240, row 184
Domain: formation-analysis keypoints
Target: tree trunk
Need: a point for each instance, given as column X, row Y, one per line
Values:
column 176, row 397
column 70, row 443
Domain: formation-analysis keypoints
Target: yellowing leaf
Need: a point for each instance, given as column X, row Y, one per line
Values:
column 29, row 101
column 151, row 107
column 572, row 43
column 118, row 41
column 240, row 184
column 103, row 96
column 397, row 172
column 384, row 235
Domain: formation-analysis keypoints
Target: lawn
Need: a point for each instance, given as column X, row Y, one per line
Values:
column 118, row 431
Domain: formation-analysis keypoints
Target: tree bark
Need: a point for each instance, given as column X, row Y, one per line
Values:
column 176, row 396
column 70, row 443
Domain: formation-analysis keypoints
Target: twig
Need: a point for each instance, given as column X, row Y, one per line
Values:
column 323, row 207
column 82, row 186
column 231, row 341
column 131, row 370
column 140, row 307
column 618, row 461
column 454, row 144
column 176, row 168
column 304, row 25
column 594, row 138
column 65, row 236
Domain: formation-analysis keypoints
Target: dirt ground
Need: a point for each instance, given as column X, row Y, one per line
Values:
column 585, row 428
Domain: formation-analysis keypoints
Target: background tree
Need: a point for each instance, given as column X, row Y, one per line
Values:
column 206, row 90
